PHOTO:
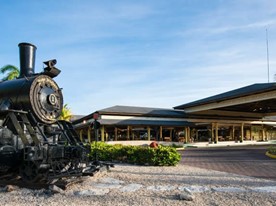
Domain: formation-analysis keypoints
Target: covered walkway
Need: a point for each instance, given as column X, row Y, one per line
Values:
column 244, row 114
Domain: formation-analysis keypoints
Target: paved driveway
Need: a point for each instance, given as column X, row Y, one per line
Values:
column 246, row 160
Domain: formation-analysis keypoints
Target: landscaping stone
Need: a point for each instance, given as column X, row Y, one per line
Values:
column 161, row 187
column 131, row 188
column 55, row 189
column 228, row 189
column 92, row 192
column 10, row 188
column 195, row 188
column 265, row 189
column 186, row 194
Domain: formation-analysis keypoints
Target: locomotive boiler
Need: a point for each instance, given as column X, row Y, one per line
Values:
column 34, row 144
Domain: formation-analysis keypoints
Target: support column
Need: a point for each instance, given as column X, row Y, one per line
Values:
column 102, row 133
column 186, row 134
column 171, row 134
column 81, row 138
column 132, row 134
column 89, row 134
column 189, row 134
column 116, row 133
column 127, row 132
column 233, row 133
column 161, row 133
column 212, row 133
column 216, row 132
column 148, row 133
column 242, row 132
column 263, row 133
column 251, row 138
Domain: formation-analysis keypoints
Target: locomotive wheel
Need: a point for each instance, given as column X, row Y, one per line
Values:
column 29, row 172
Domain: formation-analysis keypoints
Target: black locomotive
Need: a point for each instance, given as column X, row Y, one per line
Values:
column 34, row 144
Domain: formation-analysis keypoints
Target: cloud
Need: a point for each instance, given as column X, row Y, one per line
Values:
column 157, row 53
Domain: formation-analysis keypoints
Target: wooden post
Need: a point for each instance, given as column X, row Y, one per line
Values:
column 127, row 132
column 116, row 133
column 230, row 133
column 242, row 132
column 161, row 133
column 171, row 134
column 148, row 133
column 212, row 133
column 102, row 133
column 216, row 124
column 251, row 138
column 132, row 133
column 81, row 131
column 186, row 134
column 263, row 132
column 233, row 133
column 89, row 134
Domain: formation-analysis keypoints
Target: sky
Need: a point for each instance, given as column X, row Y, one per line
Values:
column 148, row 53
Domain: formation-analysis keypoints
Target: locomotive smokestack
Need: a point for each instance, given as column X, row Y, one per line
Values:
column 27, row 59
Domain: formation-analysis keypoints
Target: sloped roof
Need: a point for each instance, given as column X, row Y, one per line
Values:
column 241, row 92
column 139, row 112
column 142, row 111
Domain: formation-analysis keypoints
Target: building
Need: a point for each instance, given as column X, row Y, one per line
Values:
column 246, row 113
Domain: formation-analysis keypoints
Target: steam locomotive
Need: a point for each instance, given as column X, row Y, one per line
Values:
column 34, row 144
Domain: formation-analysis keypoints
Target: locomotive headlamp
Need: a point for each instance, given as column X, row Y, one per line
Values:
column 50, row 69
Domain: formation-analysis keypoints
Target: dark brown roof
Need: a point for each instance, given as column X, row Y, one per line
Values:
column 139, row 112
column 142, row 111
column 241, row 92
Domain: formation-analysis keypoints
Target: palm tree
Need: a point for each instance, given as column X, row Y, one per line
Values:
column 66, row 113
column 12, row 72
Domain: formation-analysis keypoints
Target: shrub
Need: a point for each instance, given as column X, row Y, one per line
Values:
column 272, row 150
column 141, row 155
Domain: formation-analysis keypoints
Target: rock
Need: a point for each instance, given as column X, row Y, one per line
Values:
column 55, row 189
column 10, row 188
column 186, row 195
column 131, row 187
column 228, row 189
column 188, row 191
column 111, row 180
column 264, row 189
column 195, row 188
column 161, row 187
column 92, row 192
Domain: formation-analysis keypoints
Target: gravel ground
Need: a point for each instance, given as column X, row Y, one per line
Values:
column 144, row 185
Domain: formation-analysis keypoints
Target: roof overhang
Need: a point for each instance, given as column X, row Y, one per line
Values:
column 259, row 104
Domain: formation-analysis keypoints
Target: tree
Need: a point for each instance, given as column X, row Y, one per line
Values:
column 66, row 113
column 12, row 72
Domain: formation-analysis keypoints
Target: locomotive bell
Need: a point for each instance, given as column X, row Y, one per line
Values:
column 27, row 59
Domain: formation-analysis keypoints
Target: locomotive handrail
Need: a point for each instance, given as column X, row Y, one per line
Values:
column 12, row 110
column 70, row 138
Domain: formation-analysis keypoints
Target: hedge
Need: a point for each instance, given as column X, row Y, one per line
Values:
column 140, row 155
column 272, row 150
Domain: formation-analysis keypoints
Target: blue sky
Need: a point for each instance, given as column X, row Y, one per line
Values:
column 155, row 53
